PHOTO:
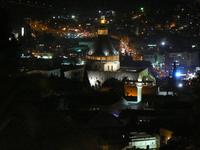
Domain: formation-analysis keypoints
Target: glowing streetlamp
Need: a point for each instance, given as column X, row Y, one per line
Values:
column 178, row 74
column 142, row 9
column 163, row 43
column 73, row 16
column 180, row 85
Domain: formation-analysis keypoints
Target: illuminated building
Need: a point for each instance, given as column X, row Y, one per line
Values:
column 44, row 55
column 143, row 141
column 144, row 85
column 103, row 56
column 103, row 63
column 188, row 60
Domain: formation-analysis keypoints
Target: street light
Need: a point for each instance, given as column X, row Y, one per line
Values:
column 163, row 43
column 142, row 9
column 178, row 74
column 180, row 85
column 73, row 16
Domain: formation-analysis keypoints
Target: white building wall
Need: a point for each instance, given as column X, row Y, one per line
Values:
column 112, row 66
column 144, row 143
column 101, row 76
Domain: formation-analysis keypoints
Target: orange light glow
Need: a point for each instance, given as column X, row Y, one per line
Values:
column 103, row 21
column 173, row 25
column 130, row 91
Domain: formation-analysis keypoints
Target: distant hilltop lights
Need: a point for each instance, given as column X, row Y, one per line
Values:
column 103, row 20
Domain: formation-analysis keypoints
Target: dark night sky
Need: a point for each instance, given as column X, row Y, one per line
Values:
column 122, row 5
column 117, row 4
column 111, row 4
column 89, row 6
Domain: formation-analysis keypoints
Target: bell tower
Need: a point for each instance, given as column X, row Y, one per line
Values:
column 102, row 30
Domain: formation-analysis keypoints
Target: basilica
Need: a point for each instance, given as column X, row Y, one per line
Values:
column 103, row 63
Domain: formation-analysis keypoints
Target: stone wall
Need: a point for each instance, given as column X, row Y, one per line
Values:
column 99, row 77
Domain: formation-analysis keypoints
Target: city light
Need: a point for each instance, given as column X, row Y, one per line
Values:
column 180, row 85
column 106, row 53
column 193, row 46
column 178, row 74
column 151, row 45
column 73, row 16
column 22, row 31
column 163, row 43
column 64, row 29
column 190, row 76
column 142, row 9
column 103, row 21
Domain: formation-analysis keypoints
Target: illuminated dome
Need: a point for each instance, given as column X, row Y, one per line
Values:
column 103, row 47
column 103, row 50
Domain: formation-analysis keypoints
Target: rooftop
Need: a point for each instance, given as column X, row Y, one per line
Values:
column 103, row 47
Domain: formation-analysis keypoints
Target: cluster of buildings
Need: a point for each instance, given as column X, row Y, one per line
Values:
column 96, row 57
column 70, row 48
column 99, row 60
column 186, row 61
column 71, row 36
column 103, row 63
